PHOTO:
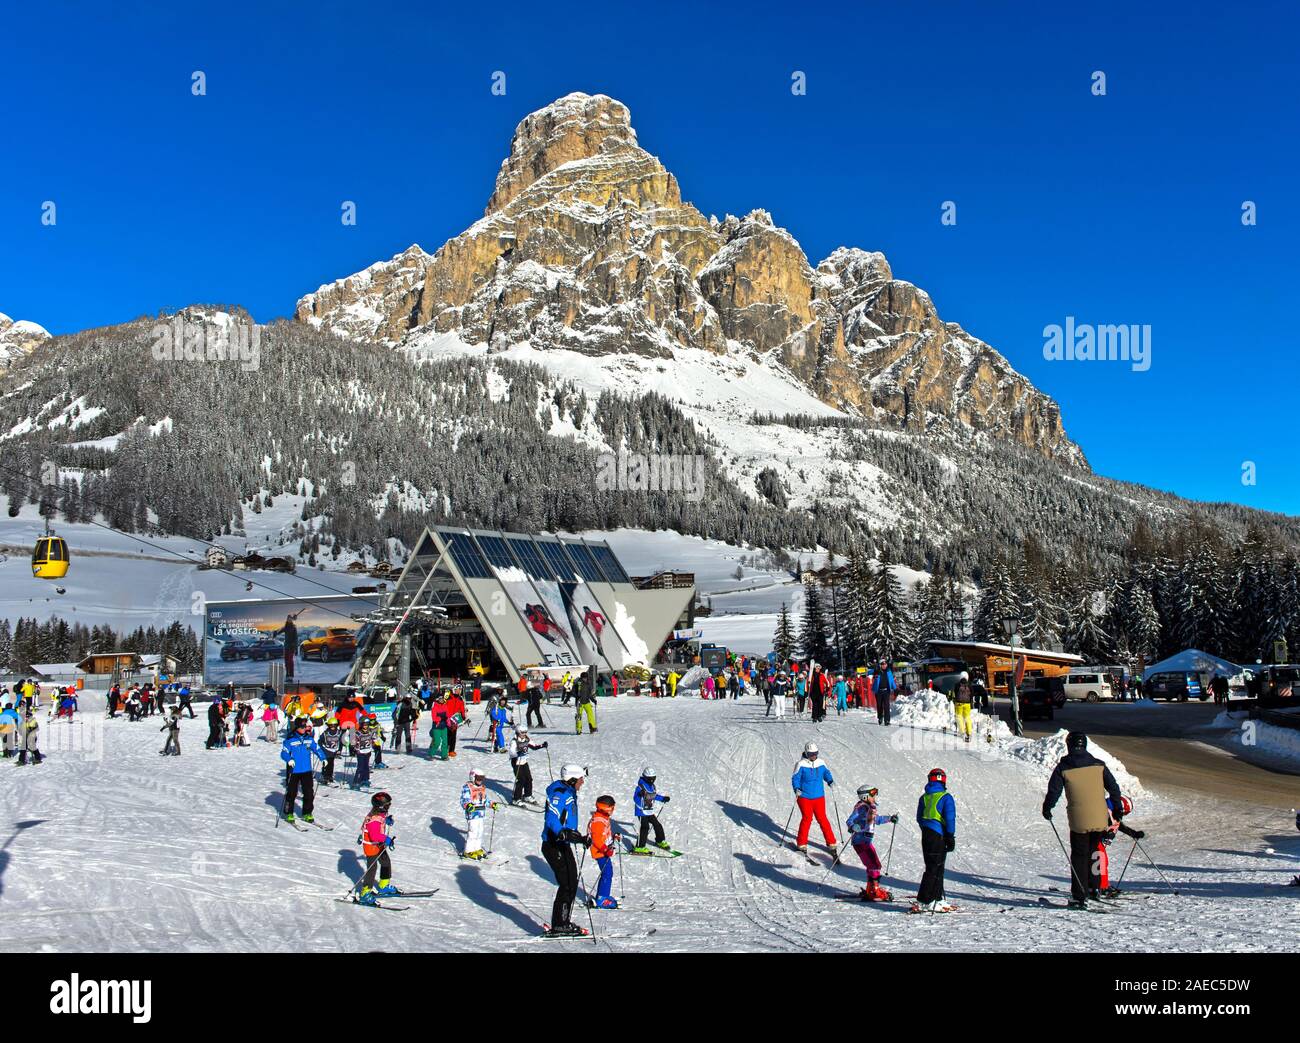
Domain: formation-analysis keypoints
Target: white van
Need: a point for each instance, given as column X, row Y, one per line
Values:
column 1088, row 686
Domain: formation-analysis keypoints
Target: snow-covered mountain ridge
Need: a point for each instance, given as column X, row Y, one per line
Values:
column 586, row 247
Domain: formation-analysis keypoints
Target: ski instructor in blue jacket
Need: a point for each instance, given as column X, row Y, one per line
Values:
column 559, row 834
column 298, row 749
column 810, row 779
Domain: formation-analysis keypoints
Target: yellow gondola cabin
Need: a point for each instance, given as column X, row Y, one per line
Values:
column 50, row 558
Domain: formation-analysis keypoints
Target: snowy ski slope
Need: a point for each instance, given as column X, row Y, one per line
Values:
column 133, row 851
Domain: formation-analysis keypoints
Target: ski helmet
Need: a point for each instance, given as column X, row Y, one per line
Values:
column 302, row 722
column 1127, row 805
column 867, row 791
column 605, row 802
column 1076, row 741
column 380, row 800
column 521, row 730
column 573, row 772
column 477, row 773
column 332, row 722
column 938, row 775
column 649, row 773
column 965, row 676
column 810, row 749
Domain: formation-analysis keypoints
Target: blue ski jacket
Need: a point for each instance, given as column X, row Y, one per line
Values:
column 644, row 798
column 297, row 752
column 936, row 810
column 561, row 810
column 810, row 778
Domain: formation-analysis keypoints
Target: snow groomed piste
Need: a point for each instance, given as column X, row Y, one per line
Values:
column 114, row 849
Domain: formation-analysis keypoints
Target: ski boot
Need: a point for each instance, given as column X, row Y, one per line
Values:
column 607, row 903
column 641, row 850
column 1077, row 905
column 873, row 892
column 309, row 818
column 386, row 889
column 288, row 816
column 477, row 856
column 1110, row 892
column 368, row 897
column 565, row 930
column 663, row 845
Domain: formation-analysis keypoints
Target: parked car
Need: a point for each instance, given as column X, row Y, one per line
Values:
column 1175, row 685
column 1038, row 697
column 1090, row 687
column 335, row 643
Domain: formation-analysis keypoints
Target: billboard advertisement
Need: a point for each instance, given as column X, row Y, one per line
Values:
column 315, row 640
column 540, row 605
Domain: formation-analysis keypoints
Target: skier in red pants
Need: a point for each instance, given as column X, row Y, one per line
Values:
column 810, row 778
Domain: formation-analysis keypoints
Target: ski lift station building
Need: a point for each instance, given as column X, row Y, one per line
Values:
column 468, row 601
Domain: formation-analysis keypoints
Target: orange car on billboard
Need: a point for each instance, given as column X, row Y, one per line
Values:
column 335, row 643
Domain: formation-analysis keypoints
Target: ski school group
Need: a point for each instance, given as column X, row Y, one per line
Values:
column 1096, row 810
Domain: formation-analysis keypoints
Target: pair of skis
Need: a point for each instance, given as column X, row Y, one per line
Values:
column 353, row 899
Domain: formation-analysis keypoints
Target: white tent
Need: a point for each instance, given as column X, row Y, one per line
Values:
column 1193, row 660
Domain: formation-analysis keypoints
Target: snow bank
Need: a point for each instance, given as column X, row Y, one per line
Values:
column 1259, row 736
column 932, row 711
column 1042, row 754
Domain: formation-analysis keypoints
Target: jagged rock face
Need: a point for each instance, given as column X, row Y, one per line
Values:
column 377, row 304
column 586, row 245
column 18, row 339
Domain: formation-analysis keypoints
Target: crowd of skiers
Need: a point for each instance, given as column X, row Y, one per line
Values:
column 317, row 737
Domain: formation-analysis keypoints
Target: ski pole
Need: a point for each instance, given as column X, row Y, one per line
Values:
column 369, row 865
column 890, row 853
column 1069, row 861
column 1126, row 862
column 550, row 770
column 786, row 831
column 492, row 827
column 834, row 863
column 622, row 890
column 1138, row 844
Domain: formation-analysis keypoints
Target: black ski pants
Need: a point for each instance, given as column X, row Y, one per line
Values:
column 298, row 779
column 559, row 856
column 1086, row 872
column 646, row 822
column 523, row 781
column 934, row 851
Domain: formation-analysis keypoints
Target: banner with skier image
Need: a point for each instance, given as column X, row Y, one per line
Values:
column 614, row 640
column 542, row 611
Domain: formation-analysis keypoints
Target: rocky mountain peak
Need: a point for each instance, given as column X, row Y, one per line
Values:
column 587, row 246
column 18, row 338
column 577, row 126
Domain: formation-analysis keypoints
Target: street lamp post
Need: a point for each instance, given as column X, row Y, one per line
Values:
column 1010, row 623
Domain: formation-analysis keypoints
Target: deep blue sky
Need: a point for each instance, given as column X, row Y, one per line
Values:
column 1122, row 209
